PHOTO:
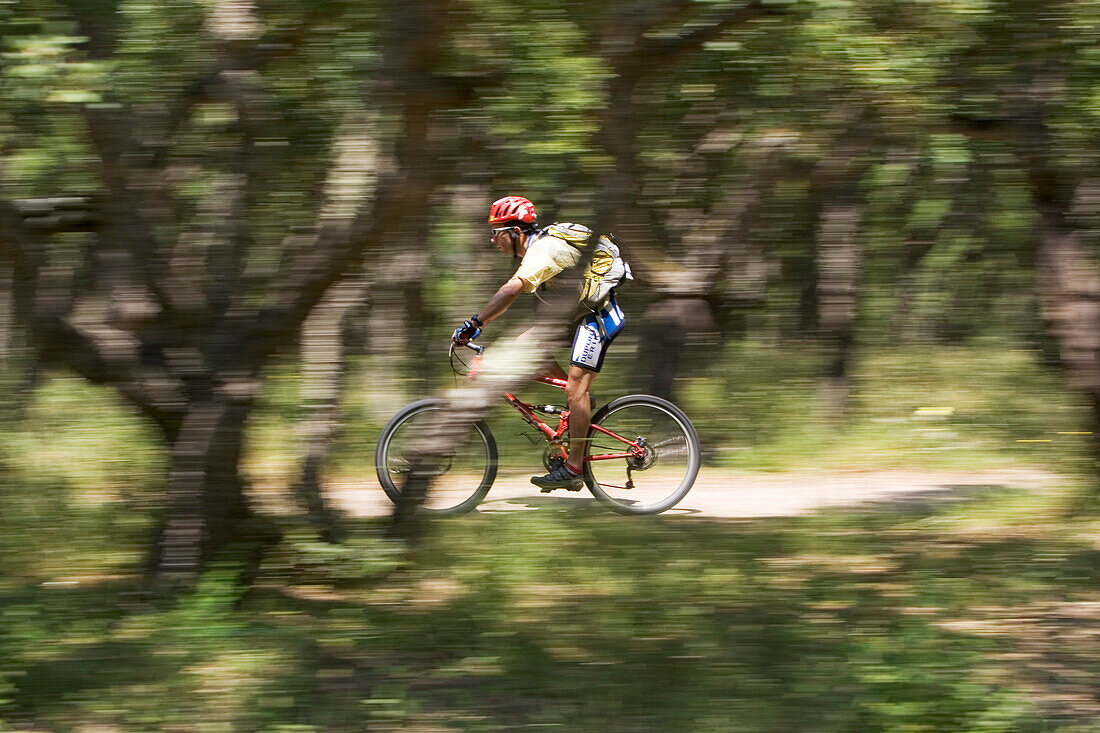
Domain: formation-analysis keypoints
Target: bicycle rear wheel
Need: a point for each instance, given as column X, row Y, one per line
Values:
column 460, row 482
column 659, row 478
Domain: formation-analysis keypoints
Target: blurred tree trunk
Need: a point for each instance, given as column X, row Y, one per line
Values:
column 717, row 275
column 207, row 506
column 667, row 328
column 403, row 341
column 661, row 36
column 418, row 313
column 324, row 377
column 1068, row 277
column 19, row 369
column 38, row 219
column 1069, row 288
column 401, row 319
column 167, row 310
column 839, row 259
column 808, row 300
column 907, row 324
column 920, row 238
column 7, row 325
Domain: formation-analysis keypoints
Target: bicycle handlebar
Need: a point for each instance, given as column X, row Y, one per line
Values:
column 551, row 381
column 478, row 349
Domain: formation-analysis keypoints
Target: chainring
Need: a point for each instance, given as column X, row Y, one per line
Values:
column 552, row 457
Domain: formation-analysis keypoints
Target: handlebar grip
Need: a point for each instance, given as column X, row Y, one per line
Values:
column 476, row 348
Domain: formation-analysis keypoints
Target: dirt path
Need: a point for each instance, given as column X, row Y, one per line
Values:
column 724, row 494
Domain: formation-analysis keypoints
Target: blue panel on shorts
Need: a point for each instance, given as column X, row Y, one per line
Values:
column 595, row 333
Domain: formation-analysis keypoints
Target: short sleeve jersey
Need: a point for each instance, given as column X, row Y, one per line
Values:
column 549, row 252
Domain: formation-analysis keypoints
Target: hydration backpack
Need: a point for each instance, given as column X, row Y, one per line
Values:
column 607, row 271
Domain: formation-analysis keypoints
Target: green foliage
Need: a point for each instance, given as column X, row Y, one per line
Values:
column 83, row 476
column 882, row 620
column 933, row 617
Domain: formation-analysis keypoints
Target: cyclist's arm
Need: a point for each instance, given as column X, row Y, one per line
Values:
column 503, row 298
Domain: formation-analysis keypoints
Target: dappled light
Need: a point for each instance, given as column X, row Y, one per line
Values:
column 447, row 365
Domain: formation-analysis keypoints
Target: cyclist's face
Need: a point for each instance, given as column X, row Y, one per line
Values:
column 504, row 239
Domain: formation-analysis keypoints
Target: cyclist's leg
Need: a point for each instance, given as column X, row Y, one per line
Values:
column 580, row 411
column 550, row 367
column 568, row 476
column 590, row 343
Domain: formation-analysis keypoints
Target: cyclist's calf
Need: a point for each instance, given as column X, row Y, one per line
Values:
column 577, row 386
column 580, row 411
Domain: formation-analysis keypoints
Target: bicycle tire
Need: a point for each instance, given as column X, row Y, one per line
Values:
column 681, row 447
column 387, row 459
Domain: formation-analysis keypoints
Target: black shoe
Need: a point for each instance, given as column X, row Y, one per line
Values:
column 559, row 478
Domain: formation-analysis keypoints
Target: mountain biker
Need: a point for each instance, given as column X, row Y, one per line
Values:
column 545, row 253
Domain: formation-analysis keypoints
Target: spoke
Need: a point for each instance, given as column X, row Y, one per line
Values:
column 679, row 439
column 656, row 474
column 456, row 478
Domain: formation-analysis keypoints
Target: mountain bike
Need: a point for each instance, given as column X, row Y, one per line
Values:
column 642, row 455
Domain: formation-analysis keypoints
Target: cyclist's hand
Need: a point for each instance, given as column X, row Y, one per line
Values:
column 468, row 331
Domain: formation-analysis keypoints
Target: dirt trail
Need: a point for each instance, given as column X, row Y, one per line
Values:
column 725, row 494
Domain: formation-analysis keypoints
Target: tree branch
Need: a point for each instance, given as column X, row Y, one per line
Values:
column 179, row 110
column 367, row 212
column 124, row 223
column 107, row 356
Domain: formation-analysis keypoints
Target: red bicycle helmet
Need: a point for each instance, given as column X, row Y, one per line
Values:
column 512, row 208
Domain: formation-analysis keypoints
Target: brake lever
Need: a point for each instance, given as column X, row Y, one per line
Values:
column 451, row 356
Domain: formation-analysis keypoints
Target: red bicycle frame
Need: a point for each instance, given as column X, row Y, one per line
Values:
column 529, row 414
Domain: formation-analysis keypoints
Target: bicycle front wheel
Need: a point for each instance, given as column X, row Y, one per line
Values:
column 460, row 482
column 660, row 475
